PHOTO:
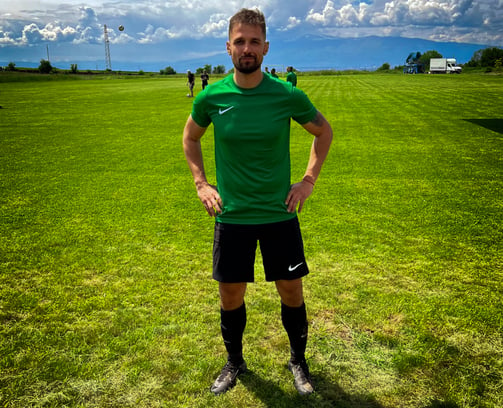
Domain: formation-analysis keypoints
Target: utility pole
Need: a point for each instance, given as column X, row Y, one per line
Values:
column 47, row 48
column 108, row 61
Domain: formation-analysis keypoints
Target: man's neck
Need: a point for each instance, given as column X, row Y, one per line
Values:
column 248, row 81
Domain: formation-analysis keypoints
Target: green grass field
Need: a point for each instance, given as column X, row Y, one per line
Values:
column 106, row 296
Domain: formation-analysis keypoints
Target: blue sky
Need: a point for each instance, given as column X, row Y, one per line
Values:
column 170, row 32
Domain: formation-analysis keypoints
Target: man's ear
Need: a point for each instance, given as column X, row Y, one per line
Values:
column 228, row 46
column 266, row 47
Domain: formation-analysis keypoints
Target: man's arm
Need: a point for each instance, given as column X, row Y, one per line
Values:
column 322, row 132
column 208, row 194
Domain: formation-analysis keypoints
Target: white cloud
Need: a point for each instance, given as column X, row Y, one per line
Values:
column 87, row 18
column 325, row 17
column 25, row 22
column 292, row 22
column 155, row 35
column 51, row 32
column 216, row 26
column 429, row 19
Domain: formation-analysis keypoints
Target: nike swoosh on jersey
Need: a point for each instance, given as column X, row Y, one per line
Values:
column 292, row 268
column 222, row 111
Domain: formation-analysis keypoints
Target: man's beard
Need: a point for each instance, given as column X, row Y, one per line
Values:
column 247, row 67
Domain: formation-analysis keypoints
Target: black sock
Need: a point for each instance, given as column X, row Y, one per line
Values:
column 232, row 324
column 295, row 322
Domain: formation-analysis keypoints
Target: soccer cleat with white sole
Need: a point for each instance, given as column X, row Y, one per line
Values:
column 302, row 379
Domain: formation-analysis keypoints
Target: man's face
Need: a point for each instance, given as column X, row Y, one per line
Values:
column 247, row 47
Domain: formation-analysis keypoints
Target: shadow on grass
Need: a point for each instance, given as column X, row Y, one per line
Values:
column 328, row 394
column 496, row 125
column 442, row 404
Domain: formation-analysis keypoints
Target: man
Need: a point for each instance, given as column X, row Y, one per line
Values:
column 190, row 83
column 291, row 76
column 254, row 200
column 204, row 79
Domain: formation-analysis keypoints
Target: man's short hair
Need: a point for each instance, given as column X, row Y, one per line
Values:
column 252, row 17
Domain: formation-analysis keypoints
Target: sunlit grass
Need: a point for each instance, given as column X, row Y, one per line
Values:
column 106, row 297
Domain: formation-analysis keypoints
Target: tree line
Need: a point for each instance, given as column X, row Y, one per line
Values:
column 489, row 58
column 219, row 69
column 46, row 67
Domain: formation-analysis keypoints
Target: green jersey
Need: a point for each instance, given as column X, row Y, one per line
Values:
column 292, row 78
column 252, row 145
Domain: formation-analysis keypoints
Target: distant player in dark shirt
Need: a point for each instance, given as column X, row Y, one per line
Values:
column 190, row 83
column 204, row 79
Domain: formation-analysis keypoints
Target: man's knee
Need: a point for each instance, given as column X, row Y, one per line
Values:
column 231, row 295
column 291, row 292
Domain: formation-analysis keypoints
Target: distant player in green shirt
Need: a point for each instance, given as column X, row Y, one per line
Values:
column 254, row 200
column 291, row 76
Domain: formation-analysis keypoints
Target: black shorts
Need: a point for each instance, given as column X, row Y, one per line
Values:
column 281, row 245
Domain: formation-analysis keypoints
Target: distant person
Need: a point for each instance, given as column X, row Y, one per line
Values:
column 273, row 73
column 267, row 70
column 190, row 83
column 291, row 76
column 204, row 79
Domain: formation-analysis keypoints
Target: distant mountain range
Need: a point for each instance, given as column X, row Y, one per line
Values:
column 311, row 53
column 307, row 53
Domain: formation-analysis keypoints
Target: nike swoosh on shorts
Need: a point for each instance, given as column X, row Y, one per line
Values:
column 292, row 268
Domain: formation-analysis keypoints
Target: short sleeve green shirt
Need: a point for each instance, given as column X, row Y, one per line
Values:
column 292, row 77
column 252, row 145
